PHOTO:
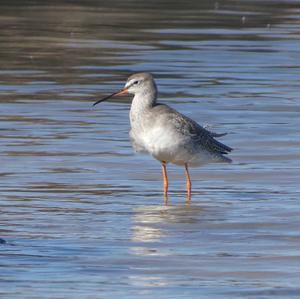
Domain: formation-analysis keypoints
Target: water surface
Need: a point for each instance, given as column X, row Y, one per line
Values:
column 83, row 216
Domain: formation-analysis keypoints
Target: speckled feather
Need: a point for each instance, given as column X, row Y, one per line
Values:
column 164, row 133
column 187, row 126
column 167, row 135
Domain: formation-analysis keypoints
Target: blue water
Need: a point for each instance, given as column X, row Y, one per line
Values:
column 83, row 216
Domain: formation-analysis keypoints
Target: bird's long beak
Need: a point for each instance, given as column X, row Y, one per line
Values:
column 118, row 93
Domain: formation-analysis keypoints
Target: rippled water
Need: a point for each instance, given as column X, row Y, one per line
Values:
column 82, row 216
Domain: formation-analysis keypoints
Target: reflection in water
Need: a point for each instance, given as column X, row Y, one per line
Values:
column 144, row 220
column 152, row 226
column 148, row 281
column 152, row 223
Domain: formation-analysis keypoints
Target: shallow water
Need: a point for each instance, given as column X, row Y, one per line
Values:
column 82, row 216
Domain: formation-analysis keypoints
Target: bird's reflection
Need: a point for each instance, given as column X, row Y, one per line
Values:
column 153, row 223
column 155, row 230
column 160, row 239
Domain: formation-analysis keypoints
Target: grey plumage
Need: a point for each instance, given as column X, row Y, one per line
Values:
column 188, row 127
column 167, row 135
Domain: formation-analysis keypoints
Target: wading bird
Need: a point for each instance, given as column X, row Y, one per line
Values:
column 167, row 135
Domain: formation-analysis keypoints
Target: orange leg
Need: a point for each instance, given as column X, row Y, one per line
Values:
column 165, row 176
column 188, row 182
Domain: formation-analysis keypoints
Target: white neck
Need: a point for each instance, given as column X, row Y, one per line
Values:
column 141, row 103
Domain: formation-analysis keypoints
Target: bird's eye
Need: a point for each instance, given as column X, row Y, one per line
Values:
column 135, row 82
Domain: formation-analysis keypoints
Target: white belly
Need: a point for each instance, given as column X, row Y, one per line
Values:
column 168, row 146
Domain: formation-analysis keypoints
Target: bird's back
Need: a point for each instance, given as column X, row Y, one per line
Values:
column 192, row 131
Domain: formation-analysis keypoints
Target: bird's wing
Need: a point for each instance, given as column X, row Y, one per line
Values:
column 207, row 139
column 190, row 128
column 214, row 134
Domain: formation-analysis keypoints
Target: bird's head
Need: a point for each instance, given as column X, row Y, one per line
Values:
column 139, row 83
